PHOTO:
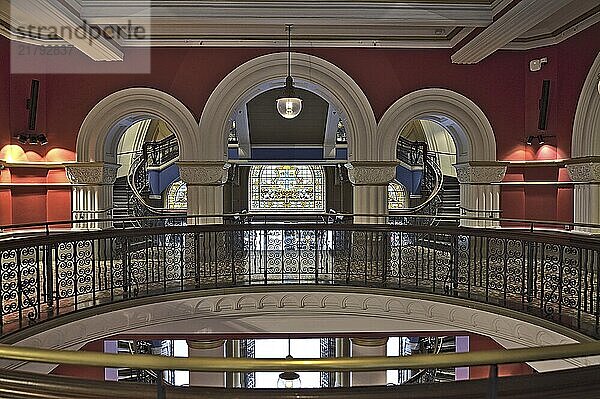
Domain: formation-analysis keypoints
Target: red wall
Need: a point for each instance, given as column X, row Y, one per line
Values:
column 84, row 372
column 481, row 343
column 501, row 85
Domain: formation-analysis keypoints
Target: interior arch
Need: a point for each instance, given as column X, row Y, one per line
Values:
column 104, row 125
column 461, row 117
column 267, row 72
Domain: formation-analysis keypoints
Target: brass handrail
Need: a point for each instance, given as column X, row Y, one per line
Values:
column 369, row 363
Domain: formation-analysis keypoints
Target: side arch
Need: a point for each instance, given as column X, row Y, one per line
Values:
column 106, row 122
column 586, row 127
column 466, row 122
column 268, row 71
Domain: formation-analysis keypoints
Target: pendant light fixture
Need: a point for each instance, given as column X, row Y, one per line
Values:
column 289, row 105
column 289, row 379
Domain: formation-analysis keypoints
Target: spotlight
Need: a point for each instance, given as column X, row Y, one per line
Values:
column 530, row 140
column 42, row 139
column 22, row 138
column 32, row 139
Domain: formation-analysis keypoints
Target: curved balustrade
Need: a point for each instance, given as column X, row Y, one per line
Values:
column 553, row 276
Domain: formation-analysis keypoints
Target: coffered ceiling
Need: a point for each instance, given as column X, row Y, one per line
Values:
column 474, row 28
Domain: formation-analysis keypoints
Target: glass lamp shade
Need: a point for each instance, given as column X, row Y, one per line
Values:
column 289, row 107
column 288, row 379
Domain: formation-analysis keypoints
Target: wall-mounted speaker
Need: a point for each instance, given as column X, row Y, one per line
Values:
column 32, row 104
column 543, row 118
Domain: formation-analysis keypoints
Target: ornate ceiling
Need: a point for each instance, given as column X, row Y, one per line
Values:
column 473, row 28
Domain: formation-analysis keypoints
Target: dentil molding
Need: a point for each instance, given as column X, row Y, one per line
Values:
column 471, row 173
column 92, row 173
column 371, row 173
column 204, row 173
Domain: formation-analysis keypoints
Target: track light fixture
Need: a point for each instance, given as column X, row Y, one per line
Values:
column 32, row 139
column 541, row 139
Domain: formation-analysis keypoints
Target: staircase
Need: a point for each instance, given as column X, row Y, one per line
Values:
column 121, row 198
column 433, row 346
column 450, row 201
column 131, row 194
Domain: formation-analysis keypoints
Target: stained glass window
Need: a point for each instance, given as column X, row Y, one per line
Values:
column 397, row 196
column 287, row 188
column 177, row 195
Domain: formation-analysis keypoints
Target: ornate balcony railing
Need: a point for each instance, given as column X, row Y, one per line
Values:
column 553, row 276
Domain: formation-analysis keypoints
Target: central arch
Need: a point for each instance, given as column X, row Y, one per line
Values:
column 309, row 72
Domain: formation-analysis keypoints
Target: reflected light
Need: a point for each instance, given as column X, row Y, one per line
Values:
column 13, row 153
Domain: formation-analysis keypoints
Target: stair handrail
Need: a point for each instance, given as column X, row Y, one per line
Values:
column 138, row 163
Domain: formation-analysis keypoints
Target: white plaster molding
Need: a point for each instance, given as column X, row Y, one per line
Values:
column 297, row 312
column 91, row 173
column 554, row 38
column 586, row 127
column 516, row 21
column 309, row 72
column 107, row 121
column 54, row 13
column 371, row 173
column 464, row 120
column 584, row 172
column 204, row 173
column 479, row 174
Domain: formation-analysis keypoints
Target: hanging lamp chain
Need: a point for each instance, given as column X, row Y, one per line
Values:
column 289, row 29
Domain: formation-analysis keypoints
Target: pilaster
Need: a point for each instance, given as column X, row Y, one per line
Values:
column 585, row 172
column 370, row 180
column 205, row 182
column 479, row 197
column 369, row 347
column 206, row 349
column 92, row 192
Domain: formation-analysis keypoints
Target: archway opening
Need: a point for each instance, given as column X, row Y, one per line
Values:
column 147, row 152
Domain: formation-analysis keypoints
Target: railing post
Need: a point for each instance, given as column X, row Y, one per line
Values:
column 160, row 386
column 530, row 264
column 49, row 278
column 493, row 382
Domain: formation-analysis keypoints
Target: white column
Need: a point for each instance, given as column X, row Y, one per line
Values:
column 369, row 347
column 585, row 172
column 92, row 192
column 207, row 349
column 479, row 197
column 370, row 181
column 205, row 182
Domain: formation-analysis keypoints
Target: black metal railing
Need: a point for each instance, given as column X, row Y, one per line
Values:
column 159, row 153
column 554, row 276
column 412, row 153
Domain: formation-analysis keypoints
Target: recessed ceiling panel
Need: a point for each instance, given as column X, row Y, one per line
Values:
column 267, row 127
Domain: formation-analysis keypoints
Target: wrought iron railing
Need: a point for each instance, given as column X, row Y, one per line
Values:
column 553, row 276
column 159, row 153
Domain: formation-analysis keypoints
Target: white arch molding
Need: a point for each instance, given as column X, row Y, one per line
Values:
column 95, row 169
column 464, row 120
column 585, row 152
column 472, row 134
column 102, row 127
column 268, row 71
column 303, row 311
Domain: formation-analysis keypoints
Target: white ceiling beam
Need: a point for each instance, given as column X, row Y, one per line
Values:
column 53, row 13
column 516, row 21
column 184, row 12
